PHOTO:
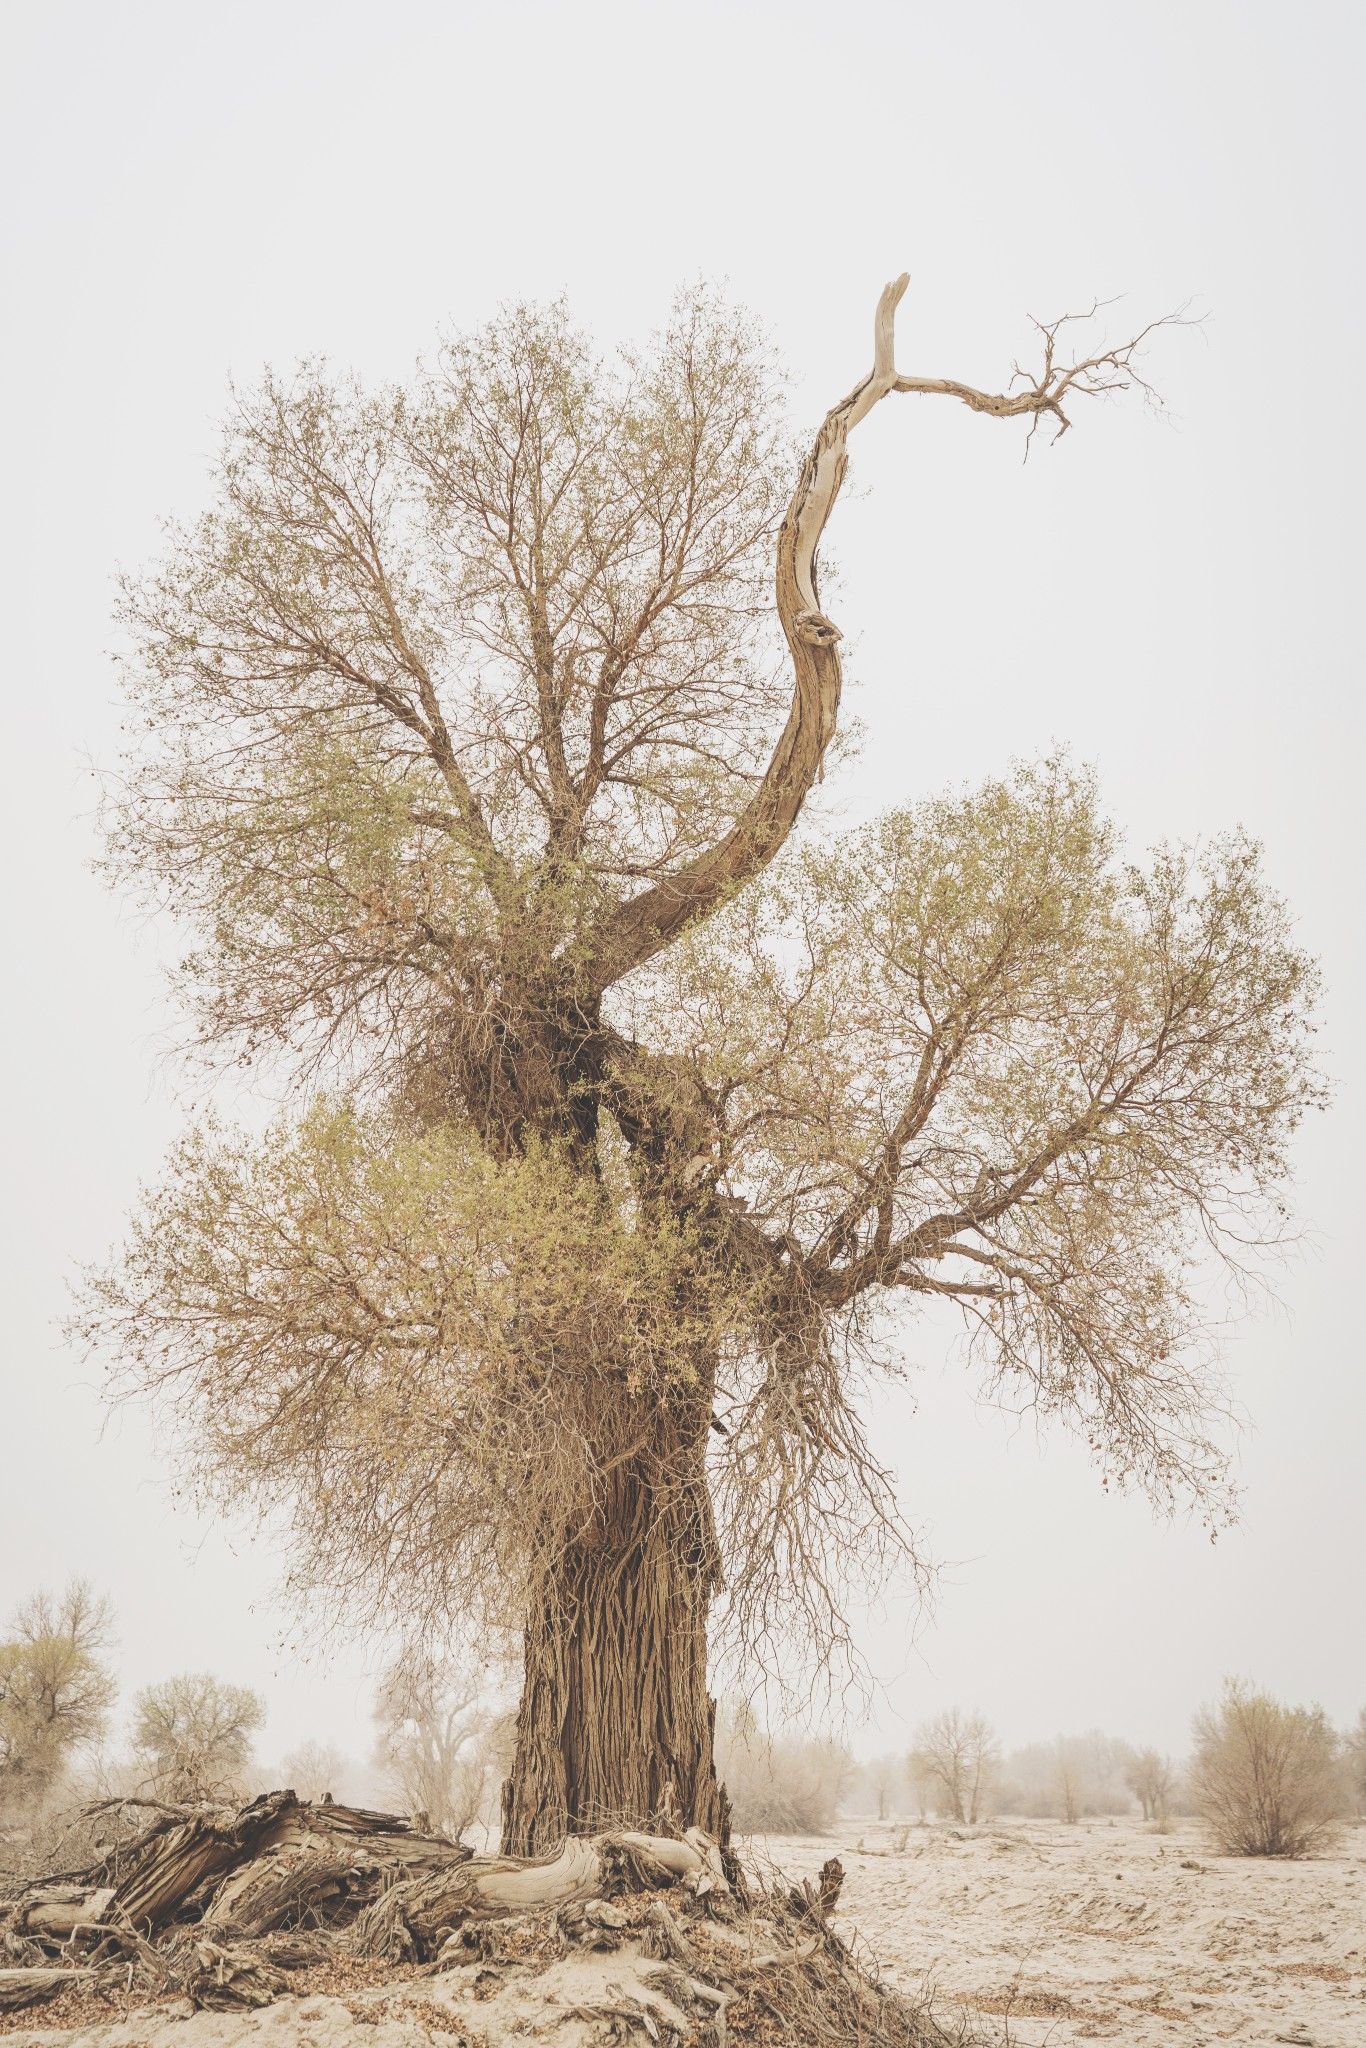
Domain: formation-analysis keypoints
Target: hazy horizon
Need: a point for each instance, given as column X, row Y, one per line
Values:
column 190, row 196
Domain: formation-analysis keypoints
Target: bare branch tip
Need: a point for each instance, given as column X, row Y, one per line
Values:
column 884, row 325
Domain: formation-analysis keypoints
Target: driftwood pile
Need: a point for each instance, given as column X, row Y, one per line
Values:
column 219, row 1903
column 235, row 1909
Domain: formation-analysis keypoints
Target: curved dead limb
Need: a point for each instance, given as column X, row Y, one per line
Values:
column 641, row 928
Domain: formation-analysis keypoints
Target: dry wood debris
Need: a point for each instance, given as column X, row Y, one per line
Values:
column 232, row 1910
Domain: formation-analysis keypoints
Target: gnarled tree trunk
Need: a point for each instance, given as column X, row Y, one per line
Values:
column 615, row 1725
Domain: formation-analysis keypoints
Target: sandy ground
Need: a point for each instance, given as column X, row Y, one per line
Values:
column 1032, row 1931
column 1106, row 1931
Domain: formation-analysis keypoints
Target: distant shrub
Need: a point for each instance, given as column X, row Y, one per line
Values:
column 55, row 1694
column 315, row 1769
column 89, row 1811
column 1356, row 1763
column 879, row 1786
column 779, row 1784
column 1151, row 1778
column 1266, row 1779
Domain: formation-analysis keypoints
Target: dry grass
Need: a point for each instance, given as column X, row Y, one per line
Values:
column 418, row 2012
column 82, row 2009
column 1014, row 2004
column 1324, row 1973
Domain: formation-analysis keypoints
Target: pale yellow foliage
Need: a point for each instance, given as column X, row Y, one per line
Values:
column 1266, row 1778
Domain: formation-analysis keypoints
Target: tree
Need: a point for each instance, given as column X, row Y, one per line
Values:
column 1266, row 1778
column 1070, row 1776
column 192, row 1734
column 958, row 1755
column 885, row 1776
column 55, row 1693
column 1150, row 1778
column 1355, row 1751
column 621, row 1124
column 921, row 1783
column 439, row 1741
column 317, row 1771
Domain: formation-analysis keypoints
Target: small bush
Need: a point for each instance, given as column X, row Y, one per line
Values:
column 1266, row 1778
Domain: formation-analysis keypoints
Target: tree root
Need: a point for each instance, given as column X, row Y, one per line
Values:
column 232, row 1911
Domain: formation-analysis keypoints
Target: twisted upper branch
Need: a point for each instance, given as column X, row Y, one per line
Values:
column 642, row 927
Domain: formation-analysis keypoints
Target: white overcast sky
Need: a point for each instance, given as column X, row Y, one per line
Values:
column 190, row 191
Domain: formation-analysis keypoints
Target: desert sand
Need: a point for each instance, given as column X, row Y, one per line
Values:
column 1031, row 1931
column 1108, row 1931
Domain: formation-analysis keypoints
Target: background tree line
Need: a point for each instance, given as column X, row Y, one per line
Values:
column 440, row 1747
column 1265, row 1778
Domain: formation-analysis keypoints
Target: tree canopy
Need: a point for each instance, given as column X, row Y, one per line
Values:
column 55, row 1689
column 192, row 1734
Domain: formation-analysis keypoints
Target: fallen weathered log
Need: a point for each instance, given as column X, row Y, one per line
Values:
column 173, row 1860
column 58, row 1910
column 284, row 1889
column 277, row 1862
column 225, row 1909
column 298, row 1835
column 31, row 1987
column 692, row 1958
column 282, row 1863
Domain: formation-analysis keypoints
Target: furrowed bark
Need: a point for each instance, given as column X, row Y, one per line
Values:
column 615, row 1724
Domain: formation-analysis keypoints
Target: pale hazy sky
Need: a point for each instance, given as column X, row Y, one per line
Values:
column 192, row 190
